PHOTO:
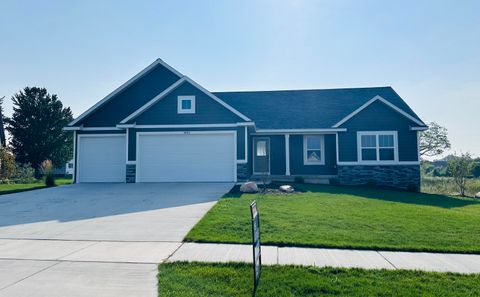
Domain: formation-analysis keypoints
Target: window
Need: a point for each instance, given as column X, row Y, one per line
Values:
column 377, row 147
column 186, row 104
column 261, row 148
column 313, row 150
column 70, row 165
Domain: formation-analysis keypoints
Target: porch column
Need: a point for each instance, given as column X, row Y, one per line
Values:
column 287, row 154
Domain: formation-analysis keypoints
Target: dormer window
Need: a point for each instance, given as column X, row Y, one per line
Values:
column 186, row 104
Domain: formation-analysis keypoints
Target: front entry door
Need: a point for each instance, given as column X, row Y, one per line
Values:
column 261, row 155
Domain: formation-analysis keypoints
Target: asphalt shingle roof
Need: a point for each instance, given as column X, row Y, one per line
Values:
column 306, row 109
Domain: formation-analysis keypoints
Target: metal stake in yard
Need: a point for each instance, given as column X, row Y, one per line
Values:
column 257, row 253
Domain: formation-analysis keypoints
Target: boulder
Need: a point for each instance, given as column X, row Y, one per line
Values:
column 286, row 188
column 477, row 195
column 249, row 187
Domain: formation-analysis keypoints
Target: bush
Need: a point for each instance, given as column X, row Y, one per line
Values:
column 460, row 168
column 46, row 169
column 23, row 174
column 7, row 164
column 299, row 180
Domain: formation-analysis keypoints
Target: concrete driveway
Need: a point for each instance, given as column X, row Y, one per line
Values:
column 96, row 239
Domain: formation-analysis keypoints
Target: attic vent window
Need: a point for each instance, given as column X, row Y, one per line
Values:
column 186, row 104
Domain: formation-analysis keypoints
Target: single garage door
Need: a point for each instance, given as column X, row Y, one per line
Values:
column 101, row 158
column 194, row 157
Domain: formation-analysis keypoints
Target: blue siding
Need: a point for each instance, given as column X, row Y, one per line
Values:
column 207, row 110
column 277, row 156
column 378, row 117
column 132, row 141
column 132, row 98
column 297, row 166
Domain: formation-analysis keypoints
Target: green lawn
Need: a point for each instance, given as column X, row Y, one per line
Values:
column 348, row 217
column 196, row 279
column 13, row 188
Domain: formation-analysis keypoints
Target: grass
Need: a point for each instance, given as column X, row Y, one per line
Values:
column 446, row 185
column 347, row 217
column 39, row 184
column 196, row 279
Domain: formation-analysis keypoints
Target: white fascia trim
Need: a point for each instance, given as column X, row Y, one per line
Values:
column 183, row 126
column 242, row 116
column 81, row 128
column 348, row 117
column 300, row 131
column 71, row 128
column 124, row 86
column 154, row 100
column 379, row 163
column 418, row 128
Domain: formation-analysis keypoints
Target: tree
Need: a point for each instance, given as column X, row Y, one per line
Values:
column 7, row 164
column 476, row 169
column 434, row 141
column 460, row 168
column 36, row 128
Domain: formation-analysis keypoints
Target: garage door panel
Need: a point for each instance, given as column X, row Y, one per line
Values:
column 101, row 158
column 186, row 157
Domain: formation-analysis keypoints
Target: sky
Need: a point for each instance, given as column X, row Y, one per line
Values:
column 428, row 51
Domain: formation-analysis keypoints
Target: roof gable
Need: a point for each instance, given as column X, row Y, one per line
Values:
column 183, row 81
column 307, row 109
column 130, row 96
column 165, row 111
column 378, row 99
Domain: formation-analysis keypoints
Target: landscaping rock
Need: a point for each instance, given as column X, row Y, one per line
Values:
column 286, row 189
column 249, row 187
column 477, row 195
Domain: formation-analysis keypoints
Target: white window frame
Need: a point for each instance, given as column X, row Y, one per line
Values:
column 322, row 149
column 377, row 147
column 180, row 110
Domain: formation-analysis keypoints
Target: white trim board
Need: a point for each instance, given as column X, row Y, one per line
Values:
column 299, row 131
column 160, row 96
column 381, row 99
column 378, row 164
column 377, row 148
column 123, row 87
column 183, row 126
column 322, row 150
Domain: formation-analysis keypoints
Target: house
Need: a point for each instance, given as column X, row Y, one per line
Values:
column 161, row 126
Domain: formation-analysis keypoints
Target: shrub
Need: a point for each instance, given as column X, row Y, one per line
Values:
column 299, row 180
column 7, row 164
column 371, row 184
column 460, row 168
column 46, row 169
column 23, row 174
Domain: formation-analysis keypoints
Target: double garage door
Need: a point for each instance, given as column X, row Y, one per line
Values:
column 161, row 157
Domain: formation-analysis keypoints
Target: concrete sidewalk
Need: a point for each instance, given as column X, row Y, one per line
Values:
column 271, row 255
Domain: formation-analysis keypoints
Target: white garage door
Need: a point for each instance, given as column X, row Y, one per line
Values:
column 101, row 158
column 194, row 157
